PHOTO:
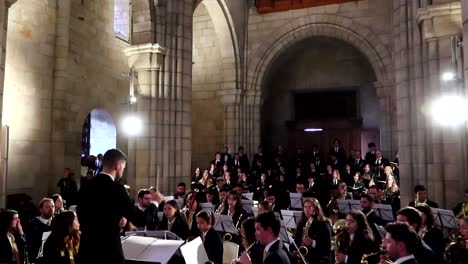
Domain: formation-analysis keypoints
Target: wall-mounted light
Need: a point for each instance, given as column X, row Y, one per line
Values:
column 132, row 125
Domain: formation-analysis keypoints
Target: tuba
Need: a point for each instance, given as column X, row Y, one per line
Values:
column 454, row 251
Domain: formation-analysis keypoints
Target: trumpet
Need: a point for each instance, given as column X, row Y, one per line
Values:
column 365, row 257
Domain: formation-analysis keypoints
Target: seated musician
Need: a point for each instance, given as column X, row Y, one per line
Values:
column 267, row 228
column 180, row 193
column 317, row 238
column 271, row 199
column 211, row 239
column 376, row 193
column 39, row 225
column 173, row 220
column 423, row 253
column 11, row 234
column 432, row 235
column 422, row 198
column 457, row 251
column 392, row 193
column 62, row 245
column 146, row 216
column 232, row 206
column 190, row 212
column 461, row 209
column 356, row 241
column 248, row 241
column 367, row 205
column 357, row 186
column 263, row 206
column 343, row 191
column 400, row 243
column 157, row 198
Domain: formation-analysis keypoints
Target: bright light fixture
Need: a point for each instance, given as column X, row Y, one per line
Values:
column 132, row 99
column 448, row 76
column 132, row 125
column 450, row 110
column 313, row 130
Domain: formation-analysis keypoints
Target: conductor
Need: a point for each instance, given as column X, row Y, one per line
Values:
column 100, row 207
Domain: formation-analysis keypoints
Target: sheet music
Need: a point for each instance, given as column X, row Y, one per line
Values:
column 218, row 226
column 207, row 207
column 248, row 195
column 444, row 218
column 150, row 249
column 291, row 218
column 228, row 224
column 346, row 206
column 194, row 250
column 248, row 204
column 296, row 200
column 384, row 211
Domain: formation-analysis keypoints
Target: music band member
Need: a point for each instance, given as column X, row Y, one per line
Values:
column 432, row 235
column 212, row 241
column 457, row 251
column 63, row 242
column 314, row 232
column 232, row 206
column 146, row 216
column 11, row 242
column 461, row 209
column 400, row 243
column 39, row 225
column 421, row 198
column 367, row 205
column 248, row 241
column 356, row 241
column 173, row 220
column 267, row 228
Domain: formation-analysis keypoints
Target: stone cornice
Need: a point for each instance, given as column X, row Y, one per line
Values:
column 440, row 21
column 144, row 48
column 141, row 57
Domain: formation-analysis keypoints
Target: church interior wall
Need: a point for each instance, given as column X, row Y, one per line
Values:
column 91, row 66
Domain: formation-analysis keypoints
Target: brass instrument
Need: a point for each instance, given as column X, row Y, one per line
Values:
column 339, row 228
column 303, row 249
column 453, row 250
column 365, row 257
column 463, row 211
column 227, row 237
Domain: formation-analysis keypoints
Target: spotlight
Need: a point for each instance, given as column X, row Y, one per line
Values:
column 448, row 76
column 132, row 99
column 450, row 110
column 313, row 130
column 132, row 125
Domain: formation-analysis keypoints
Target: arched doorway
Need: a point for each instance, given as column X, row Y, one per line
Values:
column 320, row 82
column 99, row 133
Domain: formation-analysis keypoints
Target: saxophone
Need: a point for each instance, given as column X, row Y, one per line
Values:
column 303, row 249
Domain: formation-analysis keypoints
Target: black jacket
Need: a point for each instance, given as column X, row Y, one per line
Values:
column 101, row 205
column 214, row 246
column 34, row 237
column 276, row 254
column 147, row 218
column 320, row 231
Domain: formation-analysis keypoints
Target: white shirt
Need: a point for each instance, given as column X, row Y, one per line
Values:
column 403, row 259
column 44, row 221
column 112, row 177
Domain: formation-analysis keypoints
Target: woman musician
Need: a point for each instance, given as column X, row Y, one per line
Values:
column 432, row 235
column 232, row 206
column 212, row 241
column 173, row 220
column 314, row 232
column 249, row 242
column 190, row 212
column 356, row 241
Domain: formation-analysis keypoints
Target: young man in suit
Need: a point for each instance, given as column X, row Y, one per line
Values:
column 267, row 228
column 100, row 207
column 400, row 243
column 421, row 198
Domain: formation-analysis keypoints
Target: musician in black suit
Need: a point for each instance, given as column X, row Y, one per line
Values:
column 338, row 151
column 11, row 238
column 267, row 228
column 370, row 155
column 400, row 243
column 431, row 234
column 38, row 226
column 421, row 198
column 146, row 215
column 212, row 241
column 173, row 220
column 218, row 162
column 101, row 205
column 226, row 157
column 423, row 253
column 367, row 204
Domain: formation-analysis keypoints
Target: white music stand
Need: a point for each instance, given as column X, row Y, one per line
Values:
column 291, row 218
column 194, row 250
column 296, row 200
column 149, row 249
column 283, row 234
column 444, row 218
column 345, row 205
column 207, row 207
column 384, row 211
column 248, row 195
column 180, row 203
column 161, row 234
column 248, row 204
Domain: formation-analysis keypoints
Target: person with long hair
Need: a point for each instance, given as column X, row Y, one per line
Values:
column 211, row 239
column 317, row 239
column 392, row 193
column 173, row 220
column 249, row 242
column 356, row 241
column 432, row 235
column 205, row 180
column 232, row 206
column 190, row 212
column 11, row 250
column 61, row 247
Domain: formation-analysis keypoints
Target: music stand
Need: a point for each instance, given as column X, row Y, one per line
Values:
column 384, row 211
column 207, row 207
column 444, row 218
column 346, row 206
column 160, row 216
column 180, row 202
column 248, row 195
column 224, row 223
column 283, row 234
column 161, row 234
column 168, row 198
column 296, row 200
column 194, row 250
column 291, row 218
column 248, row 204
column 149, row 249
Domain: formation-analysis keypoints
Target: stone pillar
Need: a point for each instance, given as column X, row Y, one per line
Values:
column 387, row 118
column 4, row 6
column 145, row 151
column 254, row 103
column 231, row 101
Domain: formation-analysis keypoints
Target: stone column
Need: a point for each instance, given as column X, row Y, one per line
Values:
column 145, row 152
column 387, row 118
column 231, row 101
column 4, row 6
column 254, row 103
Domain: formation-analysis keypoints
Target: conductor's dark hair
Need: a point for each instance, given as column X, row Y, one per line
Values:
column 143, row 192
column 111, row 157
column 269, row 220
column 412, row 215
column 401, row 232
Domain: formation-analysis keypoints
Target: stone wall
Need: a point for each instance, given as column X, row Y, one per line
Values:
column 207, row 77
column 63, row 61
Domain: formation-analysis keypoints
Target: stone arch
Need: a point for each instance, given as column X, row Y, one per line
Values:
column 227, row 37
column 334, row 26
